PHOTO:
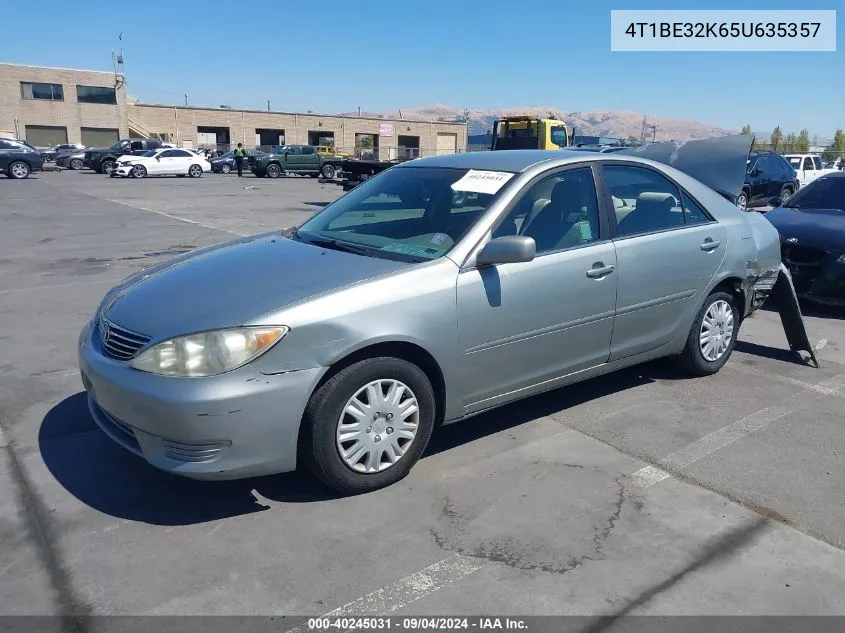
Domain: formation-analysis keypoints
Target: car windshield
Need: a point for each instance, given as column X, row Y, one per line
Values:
column 411, row 214
column 150, row 152
column 822, row 193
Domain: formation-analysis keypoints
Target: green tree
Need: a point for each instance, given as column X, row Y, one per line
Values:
column 759, row 144
column 746, row 129
column 776, row 140
column 790, row 142
column 803, row 142
column 836, row 149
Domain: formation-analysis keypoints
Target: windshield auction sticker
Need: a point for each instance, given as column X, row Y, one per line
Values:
column 723, row 30
column 476, row 181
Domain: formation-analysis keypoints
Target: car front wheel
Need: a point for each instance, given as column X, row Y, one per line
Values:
column 712, row 336
column 368, row 425
column 273, row 171
column 328, row 171
column 76, row 164
column 139, row 171
column 225, row 168
column 195, row 171
column 19, row 170
column 106, row 167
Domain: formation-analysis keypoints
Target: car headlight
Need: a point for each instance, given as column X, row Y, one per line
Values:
column 208, row 353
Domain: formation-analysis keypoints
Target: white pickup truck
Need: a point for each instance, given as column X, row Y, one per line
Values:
column 807, row 166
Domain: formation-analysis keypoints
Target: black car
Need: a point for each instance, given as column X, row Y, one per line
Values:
column 18, row 159
column 65, row 148
column 225, row 163
column 72, row 160
column 812, row 235
column 768, row 176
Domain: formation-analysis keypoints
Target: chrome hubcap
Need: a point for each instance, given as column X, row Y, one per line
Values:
column 377, row 426
column 138, row 171
column 717, row 331
column 741, row 203
column 19, row 170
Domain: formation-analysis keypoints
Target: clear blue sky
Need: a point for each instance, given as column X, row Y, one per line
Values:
column 334, row 56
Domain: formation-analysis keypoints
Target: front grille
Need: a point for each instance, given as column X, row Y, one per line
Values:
column 118, row 342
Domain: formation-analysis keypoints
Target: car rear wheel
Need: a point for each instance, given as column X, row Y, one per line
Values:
column 786, row 194
column 225, row 168
column 139, row 171
column 712, row 336
column 742, row 201
column 328, row 171
column 273, row 171
column 76, row 164
column 195, row 171
column 19, row 170
column 368, row 424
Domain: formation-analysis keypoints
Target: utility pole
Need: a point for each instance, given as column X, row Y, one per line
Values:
column 654, row 127
column 268, row 105
column 186, row 99
column 359, row 111
column 642, row 131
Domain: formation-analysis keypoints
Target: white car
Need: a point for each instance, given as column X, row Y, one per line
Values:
column 808, row 167
column 164, row 161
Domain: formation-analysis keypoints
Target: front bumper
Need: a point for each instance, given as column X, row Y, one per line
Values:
column 122, row 170
column 235, row 425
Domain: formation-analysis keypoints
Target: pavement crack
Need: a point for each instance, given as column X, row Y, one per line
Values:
column 510, row 552
column 72, row 608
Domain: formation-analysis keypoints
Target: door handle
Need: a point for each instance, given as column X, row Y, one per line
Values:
column 709, row 245
column 598, row 271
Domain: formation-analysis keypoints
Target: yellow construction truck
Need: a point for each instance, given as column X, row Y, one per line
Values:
column 527, row 132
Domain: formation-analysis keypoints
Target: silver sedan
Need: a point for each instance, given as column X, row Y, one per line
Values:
column 437, row 290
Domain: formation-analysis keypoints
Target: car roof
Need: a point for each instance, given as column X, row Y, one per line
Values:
column 834, row 174
column 513, row 160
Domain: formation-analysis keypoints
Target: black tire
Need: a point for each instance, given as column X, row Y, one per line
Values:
column 106, row 166
column 138, row 171
column 225, row 168
column 328, row 171
column 195, row 171
column 318, row 444
column 692, row 359
column 18, row 170
column 742, row 201
column 786, row 194
column 273, row 170
column 76, row 164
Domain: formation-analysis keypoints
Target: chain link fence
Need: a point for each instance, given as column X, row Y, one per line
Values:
column 357, row 153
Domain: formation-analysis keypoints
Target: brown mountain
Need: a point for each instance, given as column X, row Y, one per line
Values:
column 616, row 123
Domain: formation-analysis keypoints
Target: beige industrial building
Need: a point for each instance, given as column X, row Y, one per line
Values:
column 50, row 106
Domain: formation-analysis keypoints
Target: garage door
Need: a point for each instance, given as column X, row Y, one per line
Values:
column 45, row 135
column 447, row 143
column 99, row 136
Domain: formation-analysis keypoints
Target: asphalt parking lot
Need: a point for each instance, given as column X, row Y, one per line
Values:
column 639, row 492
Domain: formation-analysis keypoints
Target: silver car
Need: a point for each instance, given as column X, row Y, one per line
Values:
column 439, row 289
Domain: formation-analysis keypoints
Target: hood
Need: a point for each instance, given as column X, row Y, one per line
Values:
column 232, row 283
column 720, row 163
column 823, row 228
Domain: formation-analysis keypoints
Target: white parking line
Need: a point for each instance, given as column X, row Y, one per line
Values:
column 718, row 439
column 3, row 442
column 410, row 589
column 179, row 218
column 822, row 389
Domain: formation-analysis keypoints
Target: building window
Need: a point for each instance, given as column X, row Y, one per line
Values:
column 46, row 92
column 96, row 94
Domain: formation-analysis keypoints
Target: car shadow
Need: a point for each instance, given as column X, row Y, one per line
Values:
column 317, row 204
column 108, row 478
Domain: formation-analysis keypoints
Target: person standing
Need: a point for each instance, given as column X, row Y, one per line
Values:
column 239, row 158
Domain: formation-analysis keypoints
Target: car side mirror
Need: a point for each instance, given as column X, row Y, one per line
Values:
column 508, row 249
